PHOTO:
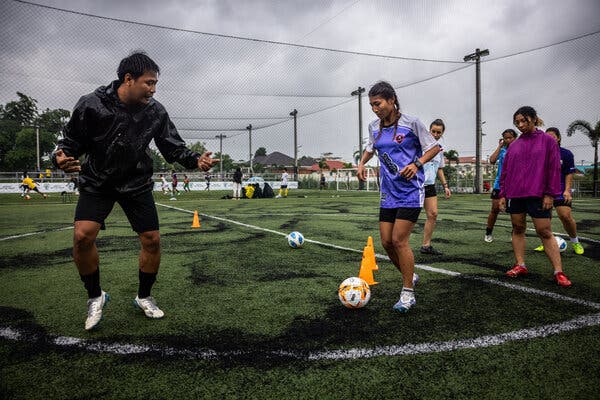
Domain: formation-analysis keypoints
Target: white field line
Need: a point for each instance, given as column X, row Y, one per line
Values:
column 342, row 354
column 34, row 233
column 353, row 353
column 524, row 289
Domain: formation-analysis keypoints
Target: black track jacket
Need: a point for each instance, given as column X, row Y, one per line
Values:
column 115, row 141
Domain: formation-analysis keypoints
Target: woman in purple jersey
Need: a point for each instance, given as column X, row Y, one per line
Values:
column 403, row 145
column 529, row 182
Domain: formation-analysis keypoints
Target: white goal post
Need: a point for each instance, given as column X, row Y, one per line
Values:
column 346, row 179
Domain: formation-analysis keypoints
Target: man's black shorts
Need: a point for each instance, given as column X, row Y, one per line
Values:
column 528, row 205
column 139, row 209
column 430, row 191
column 392, row 214
column 495, row 194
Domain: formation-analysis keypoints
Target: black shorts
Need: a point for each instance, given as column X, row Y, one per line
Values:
column 562, row 203
column 139, row 209
column 405, row 213
column 528, row 205
column 430, row 191
column 495, row 194
column 283, row 186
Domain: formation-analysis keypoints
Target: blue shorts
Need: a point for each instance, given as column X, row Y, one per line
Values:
column 528, row 205
column 405, row 213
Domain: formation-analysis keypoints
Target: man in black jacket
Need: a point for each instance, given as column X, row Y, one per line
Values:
column 113, row 128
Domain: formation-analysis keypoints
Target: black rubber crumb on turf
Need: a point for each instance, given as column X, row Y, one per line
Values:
column 32, row 260
column 284, row 276
column 290, row 224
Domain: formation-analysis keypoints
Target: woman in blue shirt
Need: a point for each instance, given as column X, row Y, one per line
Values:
column 403, row 145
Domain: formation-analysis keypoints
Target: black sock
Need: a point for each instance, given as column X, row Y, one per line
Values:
column 488, row 231
column 92, row 283
column 146, row 282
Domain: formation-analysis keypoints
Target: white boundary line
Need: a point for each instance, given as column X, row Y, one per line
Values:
column 342, row 354
column 524, row 289
column 34, row 233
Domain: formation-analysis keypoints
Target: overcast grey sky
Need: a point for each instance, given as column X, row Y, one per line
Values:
column 56, row 57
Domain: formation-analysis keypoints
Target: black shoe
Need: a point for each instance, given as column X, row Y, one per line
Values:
column 430, row 250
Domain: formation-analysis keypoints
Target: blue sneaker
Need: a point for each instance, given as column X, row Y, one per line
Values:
column 95, row 307
column 407, row 300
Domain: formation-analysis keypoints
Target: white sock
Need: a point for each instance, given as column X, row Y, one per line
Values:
column 575, row 239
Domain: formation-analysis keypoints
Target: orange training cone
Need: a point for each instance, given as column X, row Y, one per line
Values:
column 368, row 264
column 196, row 221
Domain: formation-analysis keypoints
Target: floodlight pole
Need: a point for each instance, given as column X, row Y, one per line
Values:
column 37, row 146
column 295, row 114
column 220, row 137
column 358, row 92
column 478, row 134
column 249, row 127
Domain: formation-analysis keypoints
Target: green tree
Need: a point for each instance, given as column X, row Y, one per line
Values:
column 594, row 136
column 261, row 151
column 323, row 165
column 18, row 137
column 452, row 155
column 23, row 111
column 226, row 160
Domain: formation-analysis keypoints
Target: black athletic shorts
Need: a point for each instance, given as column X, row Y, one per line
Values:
column 405, row 213
column 528, row 205
column 562, row 203
column 430, row 191
column 495, row 194
column 140, row 209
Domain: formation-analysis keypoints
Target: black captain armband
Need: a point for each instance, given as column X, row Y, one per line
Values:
column 418, row 163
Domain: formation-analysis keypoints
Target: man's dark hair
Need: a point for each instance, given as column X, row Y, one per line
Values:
column 438, row 122
column 556, row 132
column 136, row 64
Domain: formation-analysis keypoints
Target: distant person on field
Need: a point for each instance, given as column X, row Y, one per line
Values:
column 113, row 127
column 403, row 145
column 30, row 185
column 322, row 183
column 186, row 183
column 237, row 183
column 529, row 182
column 164, row 185
column 564, row 202
column 174, row 183
column 283, row 188
column 508, row 136
column 433, row 169
column 207, row 178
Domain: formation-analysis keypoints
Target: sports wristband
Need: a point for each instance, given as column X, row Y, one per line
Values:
column 418, row 163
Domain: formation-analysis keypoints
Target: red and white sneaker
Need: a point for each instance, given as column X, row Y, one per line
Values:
column 562, row 279
column 517, row 270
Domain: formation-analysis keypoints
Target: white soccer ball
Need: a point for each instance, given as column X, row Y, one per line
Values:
column 295, row 240
column 562, row 244
column 354, row 292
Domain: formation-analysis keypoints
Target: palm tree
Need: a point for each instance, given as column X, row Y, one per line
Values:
column 594, row 135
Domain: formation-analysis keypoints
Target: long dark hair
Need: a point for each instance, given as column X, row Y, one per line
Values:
column 555, row 131
column 386, row 91
column 528, row 111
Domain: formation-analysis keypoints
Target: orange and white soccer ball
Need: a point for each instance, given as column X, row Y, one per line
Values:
column 27, row 197
column 354, row 292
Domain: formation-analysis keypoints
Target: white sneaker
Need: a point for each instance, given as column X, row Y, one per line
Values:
column 488, row 238
column 416, row 279
column 95, row 306
column 278, row 196
column 149, row 307
column 407, row 300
